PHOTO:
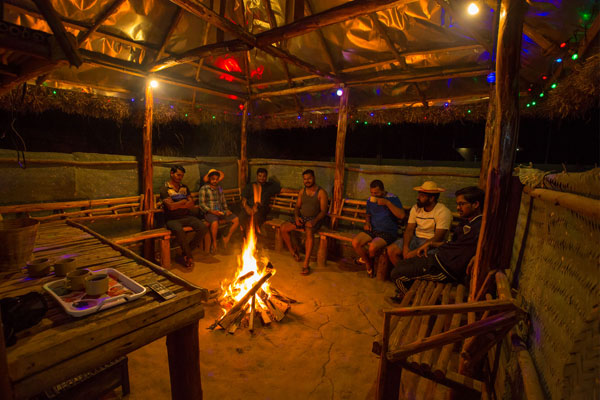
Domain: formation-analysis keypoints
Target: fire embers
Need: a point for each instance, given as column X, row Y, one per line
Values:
column 249, row 295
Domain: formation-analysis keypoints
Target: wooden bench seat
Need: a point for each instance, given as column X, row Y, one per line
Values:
column 432, row 321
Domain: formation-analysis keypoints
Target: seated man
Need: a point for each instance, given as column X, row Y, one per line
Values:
column 428, row 221
column 309, row 214
column 212, row 202
column 451, row 261
column 255, row 200
column 179, row 210
column 381, row 227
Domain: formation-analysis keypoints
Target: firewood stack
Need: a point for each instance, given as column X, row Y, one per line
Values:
column 260, row 301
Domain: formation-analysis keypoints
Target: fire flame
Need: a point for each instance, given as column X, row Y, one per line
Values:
column 246, row 275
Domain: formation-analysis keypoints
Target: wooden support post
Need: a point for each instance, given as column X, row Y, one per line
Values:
column 183, row 348
column 147, row 171
column 243, row 166
column 165, row 252
column 278, row 239
column 322, row 252
column 340, row 143
column 505, row 134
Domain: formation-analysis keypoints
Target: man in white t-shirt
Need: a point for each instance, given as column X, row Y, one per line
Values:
column 428, row 221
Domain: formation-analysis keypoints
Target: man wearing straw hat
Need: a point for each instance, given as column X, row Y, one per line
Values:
column 451, row 261
column 212, row 201
column 428, row 221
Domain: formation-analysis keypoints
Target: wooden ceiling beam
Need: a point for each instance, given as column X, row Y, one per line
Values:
column 60, row 34
column 286, row 70
column 32, row 70
column 303, row 26
column 129, row 68
column 114, row 7
column 323, row 42
column 381, row 30
column 469, row 47
column 429, row 74
column 208, row 15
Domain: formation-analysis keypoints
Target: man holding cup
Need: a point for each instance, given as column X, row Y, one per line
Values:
column 384, row 211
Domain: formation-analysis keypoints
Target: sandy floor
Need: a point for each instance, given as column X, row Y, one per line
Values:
column 321, row 350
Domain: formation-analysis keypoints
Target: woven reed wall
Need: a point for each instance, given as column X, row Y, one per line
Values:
column 555, row 260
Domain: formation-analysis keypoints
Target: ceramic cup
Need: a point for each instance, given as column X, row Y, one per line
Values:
column 38, row 267
column 63, row 266
column 76, row 279
column 373, row 199
column 96, row 284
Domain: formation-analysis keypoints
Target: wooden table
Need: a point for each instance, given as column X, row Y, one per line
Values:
column 61, row 346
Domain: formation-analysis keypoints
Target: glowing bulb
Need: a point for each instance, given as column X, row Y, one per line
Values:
column 339, row 92
column 574, row 56
column 473, row 9
column 153, row 83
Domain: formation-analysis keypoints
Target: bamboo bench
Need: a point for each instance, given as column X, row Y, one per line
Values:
column 432, row 321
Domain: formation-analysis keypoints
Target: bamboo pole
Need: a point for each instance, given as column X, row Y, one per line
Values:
column 580, row 204
column 147, row 169
column 505, row 137
column 340, row 143
column 243, row 166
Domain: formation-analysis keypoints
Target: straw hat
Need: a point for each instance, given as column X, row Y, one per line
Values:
column 429, row 187
column 210, row 171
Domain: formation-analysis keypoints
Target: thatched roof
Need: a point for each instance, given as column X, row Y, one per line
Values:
column 404, row 61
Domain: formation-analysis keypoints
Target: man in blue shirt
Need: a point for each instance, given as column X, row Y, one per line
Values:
column 384, row 210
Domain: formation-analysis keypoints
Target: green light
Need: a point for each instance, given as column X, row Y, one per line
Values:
column 542, row 94
column 554, row 85
column 586, row 16
column 54, row 92
column 533, row 103
column 310, row 122
column 574, row 56
column 186, row 115
column 357, row 121
column 214, row 117
column 389, row 123
column 528, row 105
column 469, row 111
column 366, row 122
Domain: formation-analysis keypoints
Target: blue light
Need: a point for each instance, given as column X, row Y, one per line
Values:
column 491, row 77
column 371, row 114
column 446, row 104
column 378, row 91
column 325, row 118
column 132, row 99
column 299, row 117
column 558, row 60
column 339, row 92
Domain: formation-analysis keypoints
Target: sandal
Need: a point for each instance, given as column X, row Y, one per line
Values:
column 370, row 272
column 189, row 262
column 305, row 271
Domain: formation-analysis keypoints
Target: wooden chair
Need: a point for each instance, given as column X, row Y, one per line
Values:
column 422, row 334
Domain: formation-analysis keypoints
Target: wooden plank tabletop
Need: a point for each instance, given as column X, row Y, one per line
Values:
column 62, row 346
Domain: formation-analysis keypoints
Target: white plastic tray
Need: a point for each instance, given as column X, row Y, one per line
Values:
column 121, row 289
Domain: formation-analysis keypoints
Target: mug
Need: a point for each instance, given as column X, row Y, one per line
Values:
column 96, row 284
column 38, row 267
column 63, row 266
column 373, row 199
column 76, row 279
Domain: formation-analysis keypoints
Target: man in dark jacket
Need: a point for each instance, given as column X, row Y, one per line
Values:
column 451, row 260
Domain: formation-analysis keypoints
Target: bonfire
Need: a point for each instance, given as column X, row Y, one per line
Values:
column 248, row 295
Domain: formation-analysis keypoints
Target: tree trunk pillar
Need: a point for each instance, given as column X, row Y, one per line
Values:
column 243, row 167
column 147, row 171
column 504, row 137
column 340, row 143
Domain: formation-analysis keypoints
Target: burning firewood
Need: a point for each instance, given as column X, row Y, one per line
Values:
column 249, row 294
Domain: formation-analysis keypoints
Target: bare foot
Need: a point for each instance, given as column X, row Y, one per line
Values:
column 305, row 270
column 296, row 256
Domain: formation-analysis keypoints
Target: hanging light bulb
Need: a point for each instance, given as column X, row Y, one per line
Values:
column 153, row 83
column 473, row 9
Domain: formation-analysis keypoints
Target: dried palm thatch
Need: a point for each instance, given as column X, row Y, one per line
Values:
column 578, row 92
column 557, row 268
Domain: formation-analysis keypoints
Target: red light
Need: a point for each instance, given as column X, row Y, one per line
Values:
column 257, row 73
column 529, row 90
column 232, row 97
column 563, row 45
column 228, row 64
column 241, row 106
column 544, row 77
